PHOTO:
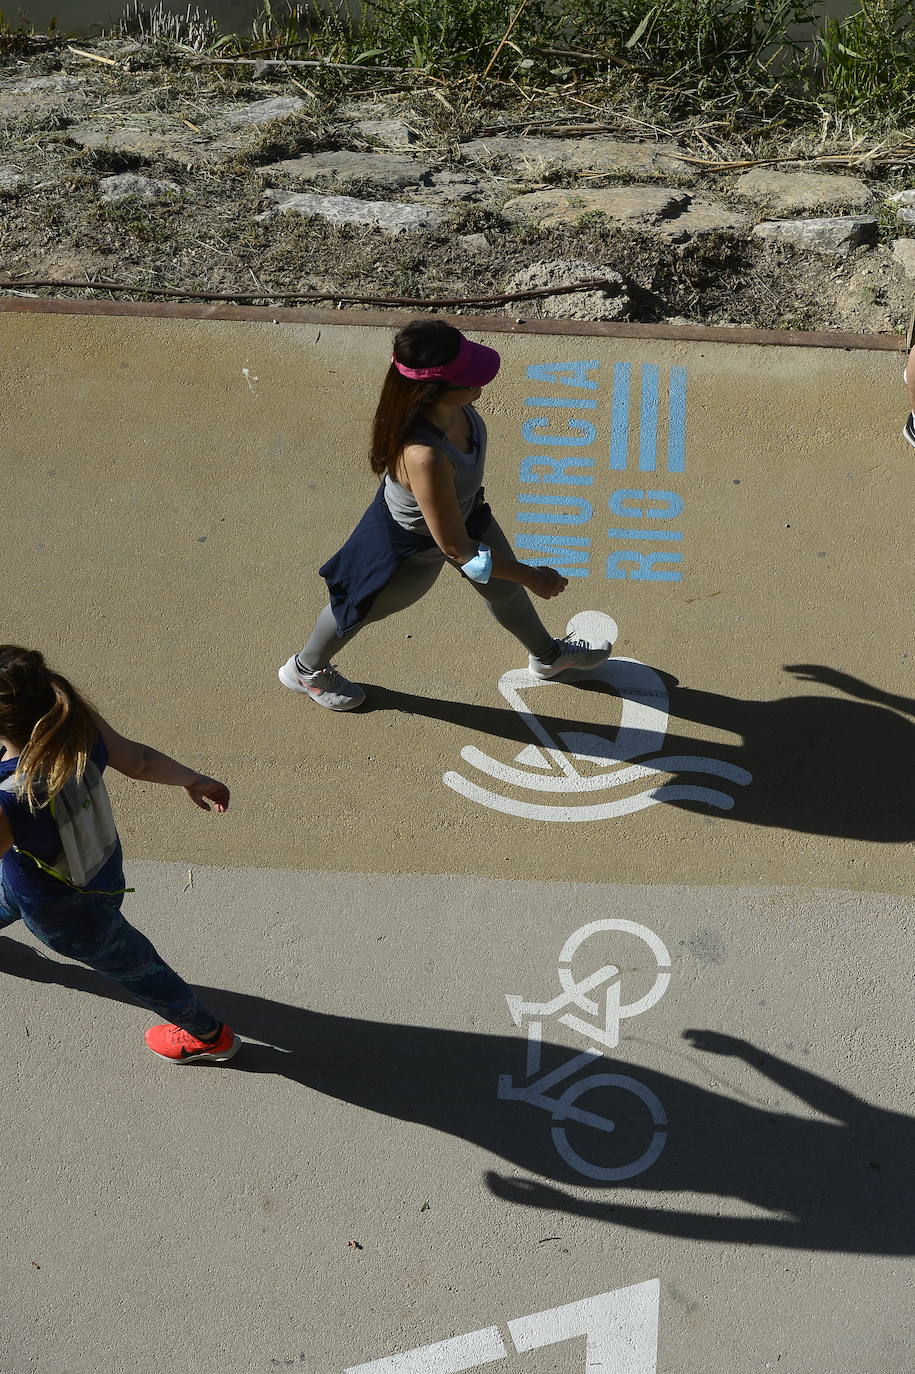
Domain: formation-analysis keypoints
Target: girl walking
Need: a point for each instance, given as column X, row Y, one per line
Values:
column 429, row 447
column 61, row 870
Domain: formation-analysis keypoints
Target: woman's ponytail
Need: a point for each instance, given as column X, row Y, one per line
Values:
column 43, row 713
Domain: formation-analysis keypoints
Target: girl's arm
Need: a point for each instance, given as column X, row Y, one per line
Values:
column 146, row 764
column 6, row 834
column 432, row 483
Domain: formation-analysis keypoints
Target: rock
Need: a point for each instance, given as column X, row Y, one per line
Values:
column 836, row 235
column 479, row 243
column 38, row 95
column 654, row 209
column 906, row 213
column 700, row 217
column 392, row 216
column 380, row 169
column 539, row 155
column 623, row 203
column 257, row 113
column 606, row 303
column 147, row 140
column 127, row 186
column 903, row 198
column 12, row 181
column 455, row 186
column 787, row 192
column 390, row 133
column 904, row 253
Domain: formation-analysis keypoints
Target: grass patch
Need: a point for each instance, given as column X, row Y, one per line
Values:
column 751, row 59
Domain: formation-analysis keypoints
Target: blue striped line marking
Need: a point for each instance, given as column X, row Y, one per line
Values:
column 648, row 419
column 619, row 422
column 676, row 420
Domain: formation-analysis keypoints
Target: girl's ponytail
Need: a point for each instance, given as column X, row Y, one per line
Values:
column 41, row 711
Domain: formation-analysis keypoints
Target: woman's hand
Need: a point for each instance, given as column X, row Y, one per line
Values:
column 204, row 790
column 544, row 582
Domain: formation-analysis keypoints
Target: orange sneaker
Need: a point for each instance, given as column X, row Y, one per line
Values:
column 180, row 1047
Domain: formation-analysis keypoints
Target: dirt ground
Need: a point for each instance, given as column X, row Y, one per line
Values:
column 210, row 237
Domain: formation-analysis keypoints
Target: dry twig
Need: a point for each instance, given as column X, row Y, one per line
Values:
column 94, row 56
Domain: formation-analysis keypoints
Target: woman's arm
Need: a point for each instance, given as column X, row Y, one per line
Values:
column 6, row 834
column 141, row 761
column 431, row 481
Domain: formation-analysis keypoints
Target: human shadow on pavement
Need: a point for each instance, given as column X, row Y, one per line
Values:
column 835, row 1176
column 820, row 764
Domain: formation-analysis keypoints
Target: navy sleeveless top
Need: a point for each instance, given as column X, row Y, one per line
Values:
column 39, row 835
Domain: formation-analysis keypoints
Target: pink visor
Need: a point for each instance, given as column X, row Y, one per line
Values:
column 473, row 365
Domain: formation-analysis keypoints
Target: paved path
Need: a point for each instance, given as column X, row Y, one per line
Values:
column 579, row 1015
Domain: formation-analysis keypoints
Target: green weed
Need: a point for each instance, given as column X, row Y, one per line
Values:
column 866, row 63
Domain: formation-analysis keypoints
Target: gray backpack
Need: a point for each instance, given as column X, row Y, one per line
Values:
column 88, row 837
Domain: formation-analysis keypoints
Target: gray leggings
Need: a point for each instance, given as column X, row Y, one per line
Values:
column 508, row 601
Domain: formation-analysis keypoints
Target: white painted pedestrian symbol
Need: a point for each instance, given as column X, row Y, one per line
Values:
column 549, row 766
column 603, row 1029
column 620, row 1330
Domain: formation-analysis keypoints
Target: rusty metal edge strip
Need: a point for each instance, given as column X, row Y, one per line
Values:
column 497, row 324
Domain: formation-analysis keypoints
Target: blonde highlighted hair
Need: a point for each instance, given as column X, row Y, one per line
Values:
column 45, row 716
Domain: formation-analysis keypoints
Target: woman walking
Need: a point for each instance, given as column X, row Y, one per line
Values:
column 429, row 446
column 62, row 871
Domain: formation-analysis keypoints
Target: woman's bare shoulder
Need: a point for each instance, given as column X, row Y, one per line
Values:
column 422, row 459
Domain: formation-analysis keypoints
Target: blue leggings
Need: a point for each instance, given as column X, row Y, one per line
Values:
column 91, row 929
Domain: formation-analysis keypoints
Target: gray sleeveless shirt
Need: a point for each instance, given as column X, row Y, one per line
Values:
column 468, row 472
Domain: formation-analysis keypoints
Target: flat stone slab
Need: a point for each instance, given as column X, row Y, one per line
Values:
column 128, row 186
column 701, row 217
column 831, row 235
column 392, row 216
column 576, row 155
column 784, row 192
column 641, row 203
column 456, row 186
column 256, row 113
column 38, row 94
column 391, row 133
column 381, row 169
column 659, row 209
column 137, row 139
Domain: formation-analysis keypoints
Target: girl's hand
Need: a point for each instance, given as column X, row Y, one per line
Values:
column 545, row 582
column 205, row 790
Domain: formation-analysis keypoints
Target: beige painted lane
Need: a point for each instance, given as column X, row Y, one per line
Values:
column 174, row 485
column 198, row 1220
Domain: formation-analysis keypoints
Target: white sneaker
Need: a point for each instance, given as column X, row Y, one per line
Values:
column 575, row 654
column 326, row 686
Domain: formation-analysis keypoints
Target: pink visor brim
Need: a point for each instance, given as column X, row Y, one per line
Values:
column 473, row 365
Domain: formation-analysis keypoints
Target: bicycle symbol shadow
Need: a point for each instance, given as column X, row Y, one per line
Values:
column 549, row 766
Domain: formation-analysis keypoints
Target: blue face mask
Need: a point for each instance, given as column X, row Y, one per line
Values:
column 479, row 569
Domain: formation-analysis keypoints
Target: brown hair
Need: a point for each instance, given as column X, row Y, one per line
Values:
column 45, row 715
column 422, row 343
